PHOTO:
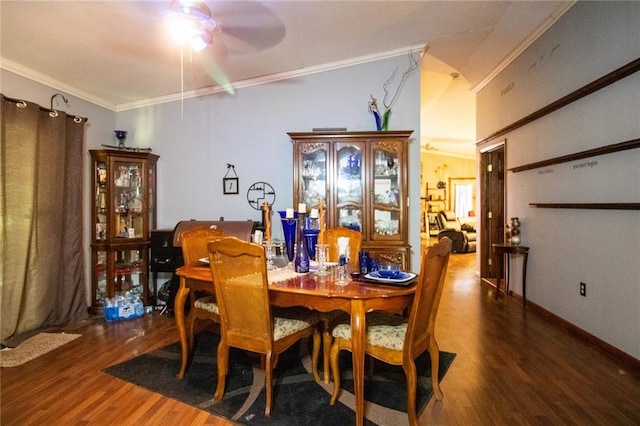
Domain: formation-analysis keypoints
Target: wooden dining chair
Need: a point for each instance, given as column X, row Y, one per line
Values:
column 397, row 340
column 203, row 304
column 330, row 237
column 239, row 271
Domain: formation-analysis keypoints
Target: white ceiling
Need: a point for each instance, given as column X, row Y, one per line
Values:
column 117, row 53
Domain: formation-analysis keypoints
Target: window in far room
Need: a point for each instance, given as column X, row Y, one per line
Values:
column 463, row 196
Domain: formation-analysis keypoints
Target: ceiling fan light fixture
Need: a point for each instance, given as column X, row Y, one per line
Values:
column 191, row 23
column 202, row 40
column 195, row 9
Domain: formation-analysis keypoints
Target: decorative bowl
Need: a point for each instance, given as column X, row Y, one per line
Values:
column 389, row 270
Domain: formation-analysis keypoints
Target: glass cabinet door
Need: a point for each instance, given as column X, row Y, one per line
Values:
column 101, row 201
column 387, row 192
column 151, row 197
column 118, row 271
column 128, row 197
column 349, row 185
column 313, row 173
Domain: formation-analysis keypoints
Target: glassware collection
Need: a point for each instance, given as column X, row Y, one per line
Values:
column 302, row 245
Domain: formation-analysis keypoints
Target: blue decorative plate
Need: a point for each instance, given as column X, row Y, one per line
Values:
column 403, row 277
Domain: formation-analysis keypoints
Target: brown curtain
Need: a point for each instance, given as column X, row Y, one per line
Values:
column 42, row 262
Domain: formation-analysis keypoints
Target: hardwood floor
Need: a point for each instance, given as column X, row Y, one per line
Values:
column 512, row 367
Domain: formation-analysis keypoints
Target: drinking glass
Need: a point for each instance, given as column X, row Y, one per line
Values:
column 321, row 257
column 269, row 251
column 343, row 260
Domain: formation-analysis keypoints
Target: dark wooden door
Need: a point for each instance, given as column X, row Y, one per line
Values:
column 492, row 192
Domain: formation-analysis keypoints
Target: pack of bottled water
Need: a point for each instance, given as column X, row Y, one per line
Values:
column 123, row 306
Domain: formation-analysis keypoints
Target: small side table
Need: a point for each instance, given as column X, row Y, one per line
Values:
column 509, row 250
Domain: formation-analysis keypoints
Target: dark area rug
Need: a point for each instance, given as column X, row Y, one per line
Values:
column 297, row 398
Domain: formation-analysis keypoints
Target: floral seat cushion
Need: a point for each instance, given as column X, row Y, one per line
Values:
column 287, row 321
column 208, row 303
column 383, row 329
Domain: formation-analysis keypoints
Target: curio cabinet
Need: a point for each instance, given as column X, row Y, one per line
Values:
column 123, row 211
column 361, row 180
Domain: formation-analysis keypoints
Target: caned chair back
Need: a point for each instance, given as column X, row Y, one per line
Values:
column 242, row 291
column 422, row 319
column 239, row 272
column 330, row 237
column 398, row 340
column 194, row 243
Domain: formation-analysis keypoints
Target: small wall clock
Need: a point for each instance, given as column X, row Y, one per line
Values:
column 260, row 192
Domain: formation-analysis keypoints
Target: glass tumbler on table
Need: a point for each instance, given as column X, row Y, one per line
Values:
column 321, row 258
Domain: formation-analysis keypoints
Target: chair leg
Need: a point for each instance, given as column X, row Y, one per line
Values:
column 191, row 319
column 434, row 352
column 223, row 361
column 190, row 325
column 268, row 383
column 412, row 384
column 335, row 369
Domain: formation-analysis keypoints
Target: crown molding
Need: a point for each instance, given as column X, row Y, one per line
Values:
column 38, row 77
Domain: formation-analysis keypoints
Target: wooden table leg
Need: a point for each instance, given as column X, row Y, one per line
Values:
column 524, row 278
column 358, row 332
column 178, row 308
column 499, row 271
column 507, row 275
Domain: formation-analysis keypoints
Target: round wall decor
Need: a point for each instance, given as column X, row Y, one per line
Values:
column 260, row 192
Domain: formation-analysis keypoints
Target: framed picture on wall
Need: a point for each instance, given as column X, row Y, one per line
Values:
column 230, row 185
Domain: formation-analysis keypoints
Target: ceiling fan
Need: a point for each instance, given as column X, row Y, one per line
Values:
column 212, row 33
column 191, row 23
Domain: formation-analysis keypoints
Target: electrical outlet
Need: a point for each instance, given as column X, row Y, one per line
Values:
column 583, row 289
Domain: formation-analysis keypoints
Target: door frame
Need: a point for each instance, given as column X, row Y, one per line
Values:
column 490, row 233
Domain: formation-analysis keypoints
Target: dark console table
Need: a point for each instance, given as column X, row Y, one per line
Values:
column 509, row 250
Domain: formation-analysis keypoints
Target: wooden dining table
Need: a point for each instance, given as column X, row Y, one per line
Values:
column 323, row 293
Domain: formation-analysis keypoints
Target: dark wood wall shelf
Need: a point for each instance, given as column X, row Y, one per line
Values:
column 592, row 87
column 622, row 146
column 590, row 206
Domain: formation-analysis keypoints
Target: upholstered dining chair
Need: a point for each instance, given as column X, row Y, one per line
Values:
column 397, row 340
column 239, row 271
column 203, row 305
column 330, row 237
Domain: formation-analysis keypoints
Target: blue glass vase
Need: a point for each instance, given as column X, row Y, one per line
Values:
column 382, row 122
column 289, row 227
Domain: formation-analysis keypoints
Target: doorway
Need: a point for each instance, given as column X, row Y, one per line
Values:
column 492, row 207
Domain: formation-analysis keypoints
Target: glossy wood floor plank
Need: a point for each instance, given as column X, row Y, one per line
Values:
column 512, row 367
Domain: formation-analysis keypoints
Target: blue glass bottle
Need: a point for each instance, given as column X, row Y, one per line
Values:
column 302, row 254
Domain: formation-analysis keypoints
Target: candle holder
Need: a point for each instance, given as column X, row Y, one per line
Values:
column 289, row 227
column 311, row 238
column 274, row 252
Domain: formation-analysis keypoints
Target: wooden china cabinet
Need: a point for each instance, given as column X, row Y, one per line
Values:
column 361, row 180
column 123, row 211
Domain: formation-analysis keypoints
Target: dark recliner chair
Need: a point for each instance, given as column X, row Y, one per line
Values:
column 464, row 240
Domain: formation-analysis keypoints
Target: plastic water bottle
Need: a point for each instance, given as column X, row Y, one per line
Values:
column 138, row 306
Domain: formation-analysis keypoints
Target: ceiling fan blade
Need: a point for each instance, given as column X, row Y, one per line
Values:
column 247, row 26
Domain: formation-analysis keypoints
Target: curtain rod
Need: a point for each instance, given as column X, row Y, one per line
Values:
column 76, row 118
